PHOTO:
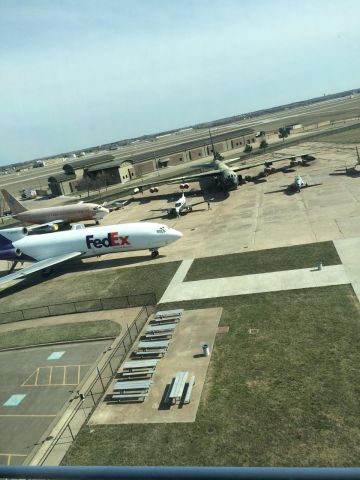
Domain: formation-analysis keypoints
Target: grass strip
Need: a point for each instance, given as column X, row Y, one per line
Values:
column 281, row 390
column 59, row 333
column 83, row 285
column 262, row 261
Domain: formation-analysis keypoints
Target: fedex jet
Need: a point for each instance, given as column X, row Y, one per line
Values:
column 52, row 218
column 48, row 250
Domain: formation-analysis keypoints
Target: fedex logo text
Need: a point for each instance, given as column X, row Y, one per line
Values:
column 113, row 239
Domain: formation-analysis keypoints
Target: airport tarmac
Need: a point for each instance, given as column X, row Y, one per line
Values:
column 251, row 219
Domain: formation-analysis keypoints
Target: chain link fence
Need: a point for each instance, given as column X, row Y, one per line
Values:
column 95, row 304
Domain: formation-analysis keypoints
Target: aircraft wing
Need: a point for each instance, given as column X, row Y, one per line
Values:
column 35, row 267
column 290, row 156
column 48, row 227
column 197, row 203
column 162, row 209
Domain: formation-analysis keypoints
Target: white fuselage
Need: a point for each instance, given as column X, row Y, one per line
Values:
column 298, row 183
column 95, row 241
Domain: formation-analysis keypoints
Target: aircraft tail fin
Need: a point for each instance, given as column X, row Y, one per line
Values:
column 14, row 205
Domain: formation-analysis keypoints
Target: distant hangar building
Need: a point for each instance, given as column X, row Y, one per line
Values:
column 78, row 174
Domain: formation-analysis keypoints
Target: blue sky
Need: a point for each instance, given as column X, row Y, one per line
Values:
column 78, row 73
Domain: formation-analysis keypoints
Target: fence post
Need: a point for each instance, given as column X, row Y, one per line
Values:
column 72, row 436
column 129, row 333
column 98, row 371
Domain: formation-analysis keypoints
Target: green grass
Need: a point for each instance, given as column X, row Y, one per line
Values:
column 351, row 135
column 59, row 333
column 287, row 396
column 272, row 260
column 86, row 284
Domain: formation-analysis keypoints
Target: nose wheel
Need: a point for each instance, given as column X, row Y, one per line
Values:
column 154, row 253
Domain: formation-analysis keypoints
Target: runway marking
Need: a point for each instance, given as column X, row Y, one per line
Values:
column 33, row 379
column 14, row 400
column 55, row 355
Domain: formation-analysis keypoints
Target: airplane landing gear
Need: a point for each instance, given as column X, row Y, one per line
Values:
column 154, row 253
column 11, row 269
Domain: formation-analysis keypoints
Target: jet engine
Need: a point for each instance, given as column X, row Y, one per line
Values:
column 184, row 186
column 153, row 190
column 10, row 253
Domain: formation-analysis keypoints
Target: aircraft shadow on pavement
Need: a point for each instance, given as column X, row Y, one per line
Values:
column 73, row 266
column 169, row 197
column 348, row 173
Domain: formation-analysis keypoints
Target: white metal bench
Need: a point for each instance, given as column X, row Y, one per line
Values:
column 149, row 353
column 163, row 344
column 167, row 327
column 149, row 336
column 129, row 396
column 189, row 389
column 169, row 313
column 164, row 320
column 141, row 373
column 140, row 364
column 177, row 387
column 132, row 385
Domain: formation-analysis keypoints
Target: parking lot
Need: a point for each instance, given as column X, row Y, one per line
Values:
column 35, row 384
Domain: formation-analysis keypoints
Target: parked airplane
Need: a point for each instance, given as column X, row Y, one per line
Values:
column 226, row 175
column 53, row 248
column 350, row 171
column 53, row 218
column 179, row 208
column 295, row 186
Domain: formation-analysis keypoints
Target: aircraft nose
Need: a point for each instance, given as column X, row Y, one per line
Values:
column 174, row 234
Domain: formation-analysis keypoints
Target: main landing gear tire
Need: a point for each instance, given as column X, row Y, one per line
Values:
column 154, row 253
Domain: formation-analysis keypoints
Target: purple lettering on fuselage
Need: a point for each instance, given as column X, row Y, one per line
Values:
column 113, row 239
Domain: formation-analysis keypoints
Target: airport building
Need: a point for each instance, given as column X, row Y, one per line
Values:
column 105, row 170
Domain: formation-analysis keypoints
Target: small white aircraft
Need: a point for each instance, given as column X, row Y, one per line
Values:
column 179, row 208
column 53, row 248
column 296, row 186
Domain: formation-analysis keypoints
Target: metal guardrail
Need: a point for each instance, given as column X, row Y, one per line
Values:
column 91, row 305
column 178, row 473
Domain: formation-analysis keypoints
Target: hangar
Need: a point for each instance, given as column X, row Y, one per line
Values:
column 62, row 183
column 107, row 170
column 119, row 171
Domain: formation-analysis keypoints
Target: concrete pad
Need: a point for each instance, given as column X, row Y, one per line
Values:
column 195, row 328
column 258, row 283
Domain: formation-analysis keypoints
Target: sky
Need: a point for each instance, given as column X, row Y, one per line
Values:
column 80, row 73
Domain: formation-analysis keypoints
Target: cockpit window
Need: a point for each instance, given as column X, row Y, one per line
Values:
column 177, row 204
column 161, row 230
